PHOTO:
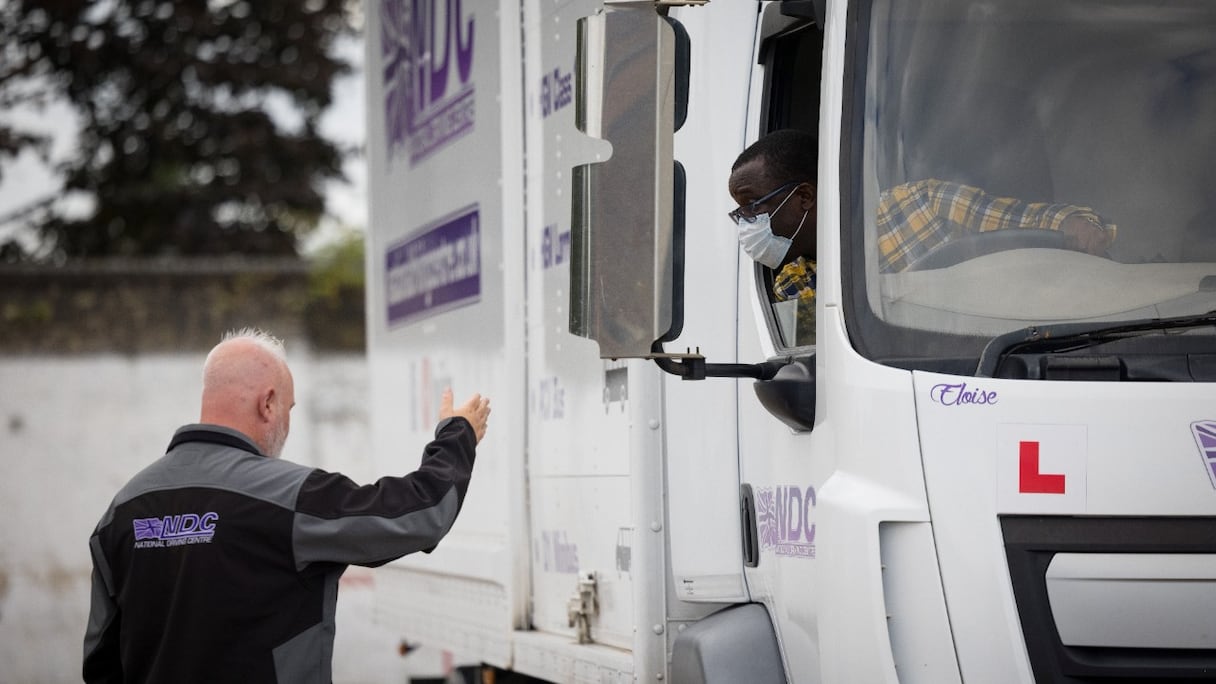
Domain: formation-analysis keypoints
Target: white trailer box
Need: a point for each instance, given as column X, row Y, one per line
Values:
column 994, row 460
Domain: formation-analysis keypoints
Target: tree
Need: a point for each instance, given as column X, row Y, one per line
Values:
column 199, row 119
column 19, row 70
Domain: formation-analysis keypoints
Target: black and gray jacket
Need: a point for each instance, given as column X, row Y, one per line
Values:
column 217, row 564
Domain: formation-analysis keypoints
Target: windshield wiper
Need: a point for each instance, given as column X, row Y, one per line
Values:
column 1073, row 336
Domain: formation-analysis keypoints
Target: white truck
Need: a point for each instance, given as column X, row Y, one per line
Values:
column 995, row 465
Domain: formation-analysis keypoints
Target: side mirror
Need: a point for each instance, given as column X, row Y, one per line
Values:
column 627, row 222
column 622, row 266
column 790, row 394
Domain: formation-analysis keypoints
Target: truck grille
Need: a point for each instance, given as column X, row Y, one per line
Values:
column 1032, row 542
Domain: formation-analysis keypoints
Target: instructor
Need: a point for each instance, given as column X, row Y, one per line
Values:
column 220, row 563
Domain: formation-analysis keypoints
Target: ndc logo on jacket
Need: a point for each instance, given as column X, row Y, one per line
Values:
column 175, row 530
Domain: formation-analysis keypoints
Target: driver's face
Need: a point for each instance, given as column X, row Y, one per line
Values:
column 752, row 180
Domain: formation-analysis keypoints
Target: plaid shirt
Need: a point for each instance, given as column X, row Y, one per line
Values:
column 796, row 280
column 915, row 218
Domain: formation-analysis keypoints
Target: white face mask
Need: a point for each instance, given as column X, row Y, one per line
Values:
column 761, row 244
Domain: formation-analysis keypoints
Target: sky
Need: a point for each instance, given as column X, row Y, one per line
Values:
column 29, row 179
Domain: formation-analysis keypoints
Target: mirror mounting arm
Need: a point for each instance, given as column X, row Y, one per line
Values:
column 692, row 366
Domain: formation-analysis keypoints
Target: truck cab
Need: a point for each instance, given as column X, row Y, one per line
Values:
column 993, row 460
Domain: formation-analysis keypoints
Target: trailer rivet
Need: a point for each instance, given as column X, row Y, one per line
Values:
column 658, row 629
column 654, row 423
column 656, row 526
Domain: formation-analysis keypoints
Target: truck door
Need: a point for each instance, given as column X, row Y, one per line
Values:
column 775, row 461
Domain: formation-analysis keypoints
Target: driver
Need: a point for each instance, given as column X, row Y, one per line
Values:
column 916, row 218
column 774, row 182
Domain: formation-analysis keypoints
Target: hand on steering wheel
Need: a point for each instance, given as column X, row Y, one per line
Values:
column 1086, row 234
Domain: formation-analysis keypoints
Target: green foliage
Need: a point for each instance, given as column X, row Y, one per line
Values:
column 334, row 313
column 178, row 150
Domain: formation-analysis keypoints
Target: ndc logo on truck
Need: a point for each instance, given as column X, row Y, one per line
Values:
column 1205, row 439
column 426, row 52
column 783, row 520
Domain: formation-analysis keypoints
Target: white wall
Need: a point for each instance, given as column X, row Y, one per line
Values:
column 74, row 429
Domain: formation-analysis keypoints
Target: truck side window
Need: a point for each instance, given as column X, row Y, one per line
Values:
column 793, row 61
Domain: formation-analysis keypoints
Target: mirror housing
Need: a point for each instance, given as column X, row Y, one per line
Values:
column 790, row 394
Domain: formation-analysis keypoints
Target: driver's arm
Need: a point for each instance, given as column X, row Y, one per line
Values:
column 915, row 218
column 1086, row 232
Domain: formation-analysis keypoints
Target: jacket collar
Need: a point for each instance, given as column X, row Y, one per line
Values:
column 213, row 434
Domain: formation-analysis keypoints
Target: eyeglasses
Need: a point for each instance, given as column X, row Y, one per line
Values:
column 747, row 212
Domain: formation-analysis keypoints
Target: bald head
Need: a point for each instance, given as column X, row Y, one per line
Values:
column 247, row 387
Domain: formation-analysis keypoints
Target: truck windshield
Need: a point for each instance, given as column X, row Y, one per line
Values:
column 1027, row 163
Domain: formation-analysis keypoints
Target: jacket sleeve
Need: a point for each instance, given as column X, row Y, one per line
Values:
column 102, row 661
column 338, row 521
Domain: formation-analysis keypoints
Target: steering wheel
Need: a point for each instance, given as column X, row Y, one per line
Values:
column 972, row 245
